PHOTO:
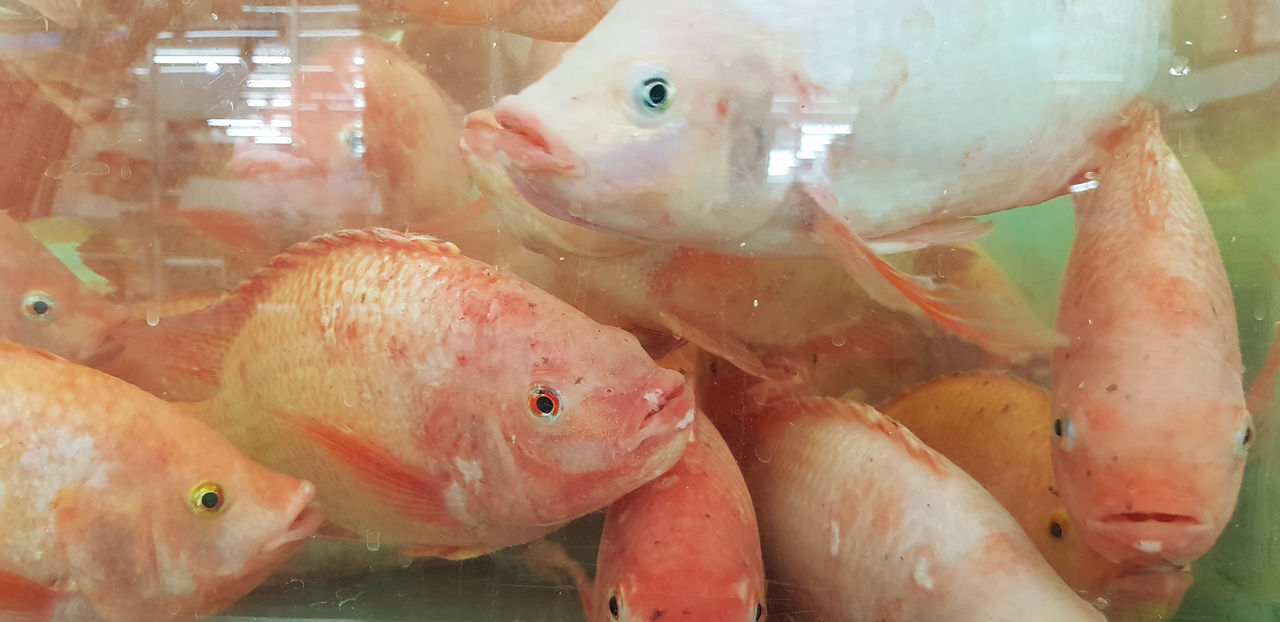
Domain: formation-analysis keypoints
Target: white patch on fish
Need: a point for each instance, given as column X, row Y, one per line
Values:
column 921, row 574
column 835, row 539
column 471, row 470
column 1150, row 546
column 654, row 398
column 455, row 498
column 687, row 421
column 57, row 460
column 176, row 576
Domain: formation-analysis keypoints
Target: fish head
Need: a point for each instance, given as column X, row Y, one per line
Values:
column 645, row 595
column 628, row 135
column 584, row 406
column 193, row 525
column 1151, row 488
column 44, row 305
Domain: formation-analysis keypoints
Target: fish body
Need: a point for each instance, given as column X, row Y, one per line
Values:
column 46, row 306
column 1150, row 419
column 104, row 498
column 434, row 400
column 373, row 117
column 685, row 545
column 997, row 428
column 874, row 525
column 552, row 20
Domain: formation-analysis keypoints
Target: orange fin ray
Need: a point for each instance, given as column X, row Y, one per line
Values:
column 730, row 350
column 402, row 487
column 23, row 599
column 179, row 357
column 950, row 231
column 550, row 561
column 968, row 314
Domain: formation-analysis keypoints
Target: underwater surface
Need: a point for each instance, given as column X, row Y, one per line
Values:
column 393, row 310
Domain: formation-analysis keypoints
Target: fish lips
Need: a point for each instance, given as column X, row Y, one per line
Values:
column 306, row 521
column 674, row 414
column 1151, row 537
column 529, row 146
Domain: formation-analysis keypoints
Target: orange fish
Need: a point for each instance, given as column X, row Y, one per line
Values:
column 46, row 306
column 1149, row 410
column 553, row 20
column 435, row 401
column 117, row 506
column 869, row 523
column 373, row 118
column 684, row 545
column 996, row 428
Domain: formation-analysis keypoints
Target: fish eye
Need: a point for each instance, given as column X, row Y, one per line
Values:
column 1244, row 438
column 1059, row 524
column 615, row 608
column 38, row 306
column 207, row 499
column 655, row 93
column 544, row 403
column 353, row 140
column 1065, row 430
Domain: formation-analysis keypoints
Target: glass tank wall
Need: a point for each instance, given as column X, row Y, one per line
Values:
column 732, row 208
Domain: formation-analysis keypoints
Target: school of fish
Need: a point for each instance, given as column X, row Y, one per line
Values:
column 457, row 278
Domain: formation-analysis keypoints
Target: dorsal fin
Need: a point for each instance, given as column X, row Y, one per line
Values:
column 180, row 357
column 876, row 421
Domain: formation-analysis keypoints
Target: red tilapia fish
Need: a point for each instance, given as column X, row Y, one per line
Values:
column 43, row 304
column 435, row 401
column 871, row 524
column 684, row 546
column 117, row 506
column 554, row 20
column 1150, row 419
column 827, row 127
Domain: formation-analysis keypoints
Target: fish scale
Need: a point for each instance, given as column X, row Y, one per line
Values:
column 396, row 374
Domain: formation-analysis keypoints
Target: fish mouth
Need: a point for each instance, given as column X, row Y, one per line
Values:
column 1171, row 537
column 671, row 411
column 306, row 521
column 1159, row 517
column 530, row 146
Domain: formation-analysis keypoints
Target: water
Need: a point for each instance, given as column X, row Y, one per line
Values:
column 191, row 142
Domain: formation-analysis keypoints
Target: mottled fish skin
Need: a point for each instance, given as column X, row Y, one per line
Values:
column 44, row 305
column 873, row 525
column 401, row 376
column 997, row 428
column 1150, row 417
column 98, row 494
column 684, row 546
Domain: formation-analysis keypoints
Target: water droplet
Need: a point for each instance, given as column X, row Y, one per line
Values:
column 1180, row 66
column 838, row 341
column 213, row 16
column 373, row 541
column 347, row 400
column 755, row 303
column 1083, row 186
column 762, row 455
column 1260, row 313
column 153, row 318
column 405, row 561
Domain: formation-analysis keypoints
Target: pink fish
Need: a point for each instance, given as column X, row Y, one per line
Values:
column 437, row 402
column 824, row 127
column 117, row 506
column 684, row 546
column 871, row 524
column 44, row 304
column 1150, row 419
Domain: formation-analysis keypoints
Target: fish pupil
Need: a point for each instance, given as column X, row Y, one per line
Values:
column 210, row 500
column 1057, row 427
column 613, row 606
column 545, row 404
column 39, row 307
column 1248, row 435
column 759, row 611
column 1055, row 529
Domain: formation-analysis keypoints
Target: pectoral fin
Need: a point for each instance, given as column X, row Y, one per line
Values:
column 24, row 600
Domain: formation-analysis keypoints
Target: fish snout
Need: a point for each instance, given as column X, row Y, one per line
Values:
column 1144, row 536
column 671, row 408
column 530, row 145
column 303, row 524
